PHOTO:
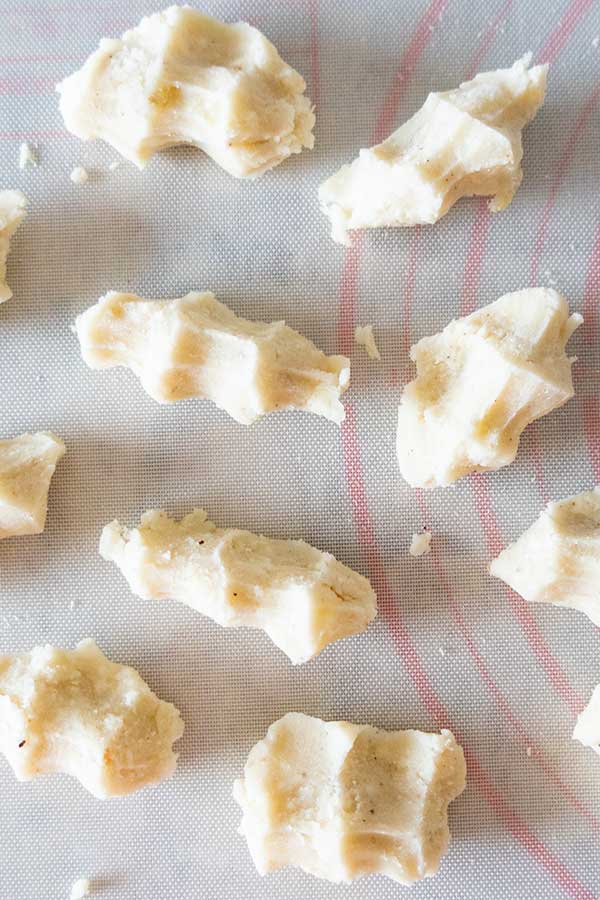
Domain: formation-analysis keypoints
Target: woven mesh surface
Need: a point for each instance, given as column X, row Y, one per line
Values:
column 451, row 646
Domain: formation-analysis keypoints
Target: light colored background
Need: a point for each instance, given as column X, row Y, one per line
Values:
column 451, row 646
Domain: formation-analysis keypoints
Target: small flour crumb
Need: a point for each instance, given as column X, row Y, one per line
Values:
column 79, row 175
column 363, row 335
column 114, row 165
column 595, row 42
column 27, row 156
column 420, row 544
column 529, row 751
column 80, row 889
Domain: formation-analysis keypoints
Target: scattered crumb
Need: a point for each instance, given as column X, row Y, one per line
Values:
column 363, row 335
column 420, row 544
column 595, row 42
column 79, row 175
column 114, row 165
column 80, row 889
column 72, row 605
column 529, row 751
column 441, row 651
column 27, row 156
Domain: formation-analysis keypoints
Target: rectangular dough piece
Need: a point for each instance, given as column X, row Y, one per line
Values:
column 302, row 598
column 194, row 346
column 76, row 712
column 341, row 800
column 13, row 205
column 181, row 77
column 27, row 464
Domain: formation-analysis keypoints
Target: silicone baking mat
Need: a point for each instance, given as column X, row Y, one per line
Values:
column 450, row 647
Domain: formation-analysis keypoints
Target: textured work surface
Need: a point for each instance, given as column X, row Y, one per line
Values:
column 451, row 646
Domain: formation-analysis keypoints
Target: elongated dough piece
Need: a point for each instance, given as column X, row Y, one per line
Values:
column 27, row 464
column 460, row 143
column 557, row 560
column 480, row 383
column 195, row 347
column 587, row 727
column 75, row 711
column 302, row 598
column 341, row 800
column 12, row 212
column 183, row 77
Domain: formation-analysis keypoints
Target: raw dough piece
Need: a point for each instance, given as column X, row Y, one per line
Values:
column 183, row 77
column 79, row 175
column 80, row 889
column 557, row 560
column 420, row 544
column 27, row 156
column 12, row 212
column 587, row 728
column 363, row 335
column 341, row 800
column 480, row 383
column 460, row 143
column 302, row 598
column 27, row 464
column 195, row 347
column 75, row 711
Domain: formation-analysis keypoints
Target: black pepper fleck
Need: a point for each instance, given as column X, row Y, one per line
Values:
column 22, row 744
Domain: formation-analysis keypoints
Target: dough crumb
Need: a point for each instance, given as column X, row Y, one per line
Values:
column 529, row 751
column 363, row 335
column 27, row 156
column 114, row 165
column 595, row 42
column 81, row 888
column 420, row 544
column 79, row 175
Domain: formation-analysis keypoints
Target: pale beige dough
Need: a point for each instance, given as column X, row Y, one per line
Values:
column 587, row 727
column 460, row 143
column 302, row 598
column 195, row 347
column 557, row 560
column 76, row 712
column 13, row 205
column 480, row 382
column 181, row 77
column 341, row 800
column 27, row 464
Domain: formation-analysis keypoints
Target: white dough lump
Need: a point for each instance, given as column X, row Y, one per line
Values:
column 302, row 598
column 341, row 800
column 27, row 464
column 460, row 143
column 587, row 727
column 194, row 346
column 13, row 205
column 557, row 560
column 182, row 77
column 480, row 383
column 75, row 711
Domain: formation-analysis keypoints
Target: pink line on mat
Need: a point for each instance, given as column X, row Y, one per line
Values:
column 410, row 58
column 488, row 40
column 591, row 293
column 562, row 168
column 563, row 31
column 551, row 666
